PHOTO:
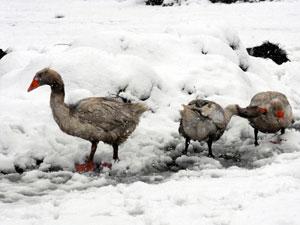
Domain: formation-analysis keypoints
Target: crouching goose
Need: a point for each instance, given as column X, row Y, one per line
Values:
column 94, row 119
column 203, row 120
column 278, row 114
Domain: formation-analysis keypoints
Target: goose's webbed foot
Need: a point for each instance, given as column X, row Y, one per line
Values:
column 85, row 167
column 105, row 165
column 89, row 166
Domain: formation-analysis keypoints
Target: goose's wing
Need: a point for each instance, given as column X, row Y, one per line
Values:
column 209, row 110
column 264, row 98
column 260, row 99
column 281, row 97
column 105, row 113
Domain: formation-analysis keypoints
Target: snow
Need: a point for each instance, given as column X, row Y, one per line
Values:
column 164, row 57
column 210, row 196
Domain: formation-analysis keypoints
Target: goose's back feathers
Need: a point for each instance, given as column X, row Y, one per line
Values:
column 264, row 98
column 113, row 119
column 272, row 101
column 201, row 119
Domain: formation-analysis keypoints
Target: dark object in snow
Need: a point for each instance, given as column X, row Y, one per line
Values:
column 180, row 2
column 2, row 53
column 224, row 1
column 296, row 125
column 203, row 120
column 93, row 119
column 271, row 51
column 244, row 67
column 59, row 16
column 235, row 1
column 278, row 114
column 20, row 170
column 234, row 46
column 154, row 2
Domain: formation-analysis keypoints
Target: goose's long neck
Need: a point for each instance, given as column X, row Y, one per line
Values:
column 57, row 95
column 230, row 110
column 60, row 110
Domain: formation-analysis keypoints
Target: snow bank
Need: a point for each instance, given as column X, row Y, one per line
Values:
column 164, row 57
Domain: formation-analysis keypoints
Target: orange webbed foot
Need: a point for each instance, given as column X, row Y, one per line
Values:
column 278, row 142
column 85, row 167
column 106, row 165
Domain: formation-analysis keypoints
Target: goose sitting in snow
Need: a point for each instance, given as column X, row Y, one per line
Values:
column 93, row 119
column 203, row 120
column 278, row 114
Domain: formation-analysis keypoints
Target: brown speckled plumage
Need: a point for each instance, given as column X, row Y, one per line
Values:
column 94, row 119
column 203, row 120
column 268, row 123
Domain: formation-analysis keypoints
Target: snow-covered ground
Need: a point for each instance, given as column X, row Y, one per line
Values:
column 164, row 56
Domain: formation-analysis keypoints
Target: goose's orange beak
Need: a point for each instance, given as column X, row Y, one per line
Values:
column 34, row 84
column 279, row 114
column 263, row 110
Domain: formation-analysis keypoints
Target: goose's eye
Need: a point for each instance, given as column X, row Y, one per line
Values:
column 38, row 77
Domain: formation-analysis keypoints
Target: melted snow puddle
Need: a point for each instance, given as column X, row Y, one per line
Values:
column 31, row 185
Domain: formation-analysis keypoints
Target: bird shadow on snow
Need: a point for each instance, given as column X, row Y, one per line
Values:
column 33, row 184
